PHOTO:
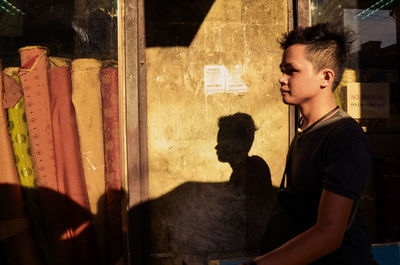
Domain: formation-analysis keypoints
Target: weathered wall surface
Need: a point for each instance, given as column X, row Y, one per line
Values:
column 182, row 119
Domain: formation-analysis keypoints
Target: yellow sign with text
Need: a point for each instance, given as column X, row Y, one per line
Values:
column 368, row 100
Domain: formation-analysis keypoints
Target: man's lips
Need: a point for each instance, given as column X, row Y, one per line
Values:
column 284, row 91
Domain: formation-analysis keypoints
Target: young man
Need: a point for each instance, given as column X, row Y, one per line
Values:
column 329, row 158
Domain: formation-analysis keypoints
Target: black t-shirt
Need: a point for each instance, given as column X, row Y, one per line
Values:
column 334, row 155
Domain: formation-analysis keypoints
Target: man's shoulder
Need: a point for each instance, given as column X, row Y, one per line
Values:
column 340, row 129
column 345, row 131
column 344, row 123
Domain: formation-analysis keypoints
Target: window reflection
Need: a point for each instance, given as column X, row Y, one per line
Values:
column 60, row 154
column 376, row 27
column 373, row 70
column 374, row 56
column 70, row 29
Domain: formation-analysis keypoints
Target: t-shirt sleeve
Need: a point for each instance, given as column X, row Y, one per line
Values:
column 347, row 164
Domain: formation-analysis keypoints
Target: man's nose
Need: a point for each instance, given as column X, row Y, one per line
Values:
column 283, row 80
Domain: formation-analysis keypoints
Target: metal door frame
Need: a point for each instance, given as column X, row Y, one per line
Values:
column 133, row 113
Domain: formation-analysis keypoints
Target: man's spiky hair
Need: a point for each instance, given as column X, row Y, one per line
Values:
column 328, row 46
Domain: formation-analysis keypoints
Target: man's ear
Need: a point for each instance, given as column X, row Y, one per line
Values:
column 327, row 77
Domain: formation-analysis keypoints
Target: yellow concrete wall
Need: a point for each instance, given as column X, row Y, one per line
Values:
column 205, row 219
column 182, row 119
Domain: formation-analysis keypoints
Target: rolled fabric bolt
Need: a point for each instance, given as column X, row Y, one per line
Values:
column 18, row 130
column 59, row 62
column 19, row 247
column 7, row 164
column 12, row 88
column 70, row 175
column 86, row 98
column 33, row 76
column 20, row 139
column 109, row 88
column 71, row 180
column 69, row 168
column 34, row 80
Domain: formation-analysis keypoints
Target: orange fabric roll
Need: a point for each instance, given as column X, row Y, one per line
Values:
column 71, row 180
column 7, row 164
column 69, row 169
column 17, row 239
column 109, row 88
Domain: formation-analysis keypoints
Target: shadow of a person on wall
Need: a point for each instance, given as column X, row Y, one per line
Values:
column 234, row 141
column 198, row 221
column 194, row 223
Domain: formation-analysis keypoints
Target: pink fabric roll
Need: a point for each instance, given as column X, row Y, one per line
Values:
column 69, row 169
column 34, row 80
column 109, row 87
column 16, row 237
column 33, row 76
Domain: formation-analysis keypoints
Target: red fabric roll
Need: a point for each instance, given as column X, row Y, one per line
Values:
column 109, row 87
column 69, row 169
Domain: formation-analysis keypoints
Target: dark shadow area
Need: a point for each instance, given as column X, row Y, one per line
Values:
column 194, row 223
column 175, row 22
column 387, row 183
column 44, row 22
column 197, row 222
column 62, row 233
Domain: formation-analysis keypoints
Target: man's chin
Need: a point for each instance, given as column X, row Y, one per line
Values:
column 287, row 102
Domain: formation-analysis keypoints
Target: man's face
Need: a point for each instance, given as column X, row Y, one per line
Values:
column 299, row 83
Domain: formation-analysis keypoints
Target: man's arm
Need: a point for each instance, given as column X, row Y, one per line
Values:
column 321, row 239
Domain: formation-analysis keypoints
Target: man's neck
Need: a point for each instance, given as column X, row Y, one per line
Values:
column 313, row 112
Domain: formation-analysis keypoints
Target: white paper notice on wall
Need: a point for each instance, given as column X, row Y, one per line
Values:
column 368, row 100
column 214, row 79
column 234, row 83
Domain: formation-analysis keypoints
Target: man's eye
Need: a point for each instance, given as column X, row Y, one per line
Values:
column 291, row 71
column 288, row 70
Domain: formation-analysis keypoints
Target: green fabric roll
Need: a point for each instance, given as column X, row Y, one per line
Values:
column 18, row 130
column 21, row 145
column 18, row 248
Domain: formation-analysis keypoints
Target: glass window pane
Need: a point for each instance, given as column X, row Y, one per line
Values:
column 70, row 29
column 374, row 59
column 370, row 92
column 60, row 186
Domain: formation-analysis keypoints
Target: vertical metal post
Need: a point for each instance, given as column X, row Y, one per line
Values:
column 292, row 19
column 303, row 13
column 298, row 16
column 133, row 118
